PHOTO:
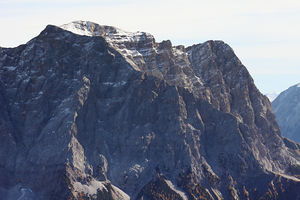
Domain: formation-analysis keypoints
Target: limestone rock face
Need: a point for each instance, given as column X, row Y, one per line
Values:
column 287, row 111
column 91, row 111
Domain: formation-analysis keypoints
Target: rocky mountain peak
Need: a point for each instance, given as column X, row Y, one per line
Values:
column 109, row 114
column 91, row 29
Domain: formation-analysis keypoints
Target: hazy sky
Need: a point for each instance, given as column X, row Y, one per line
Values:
column 265, row 35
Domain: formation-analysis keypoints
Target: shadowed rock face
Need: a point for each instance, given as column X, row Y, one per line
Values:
column 93, row 111
column 287, row 111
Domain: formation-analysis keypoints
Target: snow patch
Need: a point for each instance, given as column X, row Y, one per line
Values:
column 24, row 191
column 287, row 176
column 177, row 52
column 217, row 193
column 132, row 53
column 119, row 194
column 9, row 68
column 92, row 29
column 80, row 28
column 114, row 36
column 90, row 189
column 139, row 50
column 298, row 85
column 137, row 169
column 114, row 84
column 177, row 190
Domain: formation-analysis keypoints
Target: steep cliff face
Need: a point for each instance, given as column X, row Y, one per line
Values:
column 94, row 111
column 287, row 111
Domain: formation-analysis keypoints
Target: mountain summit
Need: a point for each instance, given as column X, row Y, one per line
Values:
column 94, row 112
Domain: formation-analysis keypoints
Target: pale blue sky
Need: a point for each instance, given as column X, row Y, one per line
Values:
column 265, row 35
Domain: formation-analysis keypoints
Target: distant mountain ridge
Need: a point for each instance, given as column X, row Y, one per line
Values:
column 286, row 108
column 94, row 112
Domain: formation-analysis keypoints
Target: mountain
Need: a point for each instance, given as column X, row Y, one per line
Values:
column 286, row 108
column 94, row 112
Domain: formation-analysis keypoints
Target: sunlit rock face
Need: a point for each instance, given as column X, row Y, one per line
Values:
column 91, row 111
column 287, row 111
